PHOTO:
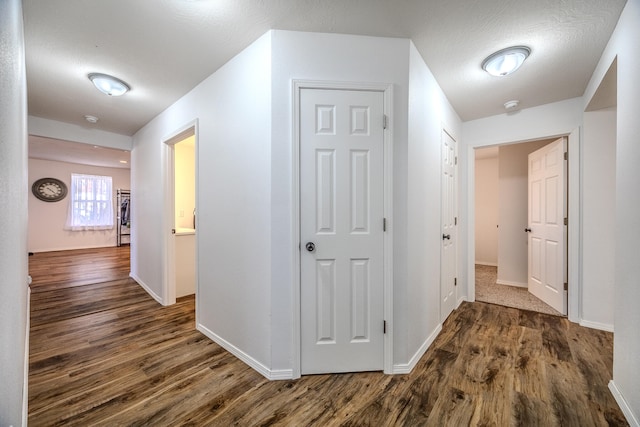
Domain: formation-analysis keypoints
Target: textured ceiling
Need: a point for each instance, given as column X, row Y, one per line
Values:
column 74, row 152
column 163, row 48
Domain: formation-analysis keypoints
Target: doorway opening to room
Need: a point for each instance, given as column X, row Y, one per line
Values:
column 73, row 236
column 180, row 279
column 520, row 225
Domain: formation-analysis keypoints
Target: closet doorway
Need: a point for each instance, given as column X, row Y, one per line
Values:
column 180, row 275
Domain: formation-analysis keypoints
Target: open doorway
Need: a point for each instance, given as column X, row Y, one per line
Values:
column 501, row 238
column 180, row 277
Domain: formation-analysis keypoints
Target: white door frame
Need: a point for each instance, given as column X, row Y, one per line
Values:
column 574, row 228
column 387, row 91
column 168, row 214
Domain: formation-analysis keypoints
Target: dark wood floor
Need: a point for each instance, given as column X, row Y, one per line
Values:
column 108, row 354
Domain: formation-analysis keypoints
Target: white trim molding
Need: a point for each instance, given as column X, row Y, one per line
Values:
column 574, row 240
column 144, row 286
column 168, row 215
column 624, row 406
column 461, row 299
column 387, row 90
column 510, row 283
column 488, row 264
column 278, row 374
column 596, row 325
column 25, row 388
column 406, row 368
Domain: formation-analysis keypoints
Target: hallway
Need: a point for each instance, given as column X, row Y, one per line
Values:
column 106, row 353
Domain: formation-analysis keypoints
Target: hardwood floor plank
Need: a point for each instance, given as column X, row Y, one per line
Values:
column 531, row 411
column 530, row 370
column 454, row 407
column 554, row 338
column 568, row 399
column 64, row 269
column 105, row 353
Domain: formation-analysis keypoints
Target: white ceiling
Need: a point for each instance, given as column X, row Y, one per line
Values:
column 75, row 152
column 163, row 48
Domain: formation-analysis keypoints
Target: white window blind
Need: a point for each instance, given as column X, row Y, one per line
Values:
column 91, row 203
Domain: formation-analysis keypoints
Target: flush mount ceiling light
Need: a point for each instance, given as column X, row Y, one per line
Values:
column 108, row 85
column 91, row 119
column 505, row 61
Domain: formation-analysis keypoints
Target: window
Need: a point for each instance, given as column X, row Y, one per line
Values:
column 91, row 203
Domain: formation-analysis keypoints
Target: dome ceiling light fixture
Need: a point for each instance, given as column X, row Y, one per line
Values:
column 108, row 85
column 505, row 61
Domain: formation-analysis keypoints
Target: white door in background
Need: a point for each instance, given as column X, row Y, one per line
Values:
column 341, row 230
column 449, row 224
column 547, row 231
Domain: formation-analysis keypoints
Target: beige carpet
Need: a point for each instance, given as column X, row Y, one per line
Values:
column 487, row 290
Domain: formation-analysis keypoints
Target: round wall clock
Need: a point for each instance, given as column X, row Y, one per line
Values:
column 49, row 189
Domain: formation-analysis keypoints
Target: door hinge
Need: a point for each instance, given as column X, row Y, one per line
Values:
column 566, row 286
column 384, row 121
column 384, row 326
column 566, row 155
column 566, row 221
column 384, row 224
column 455, row 220
column 456, row 160
column 455, row 281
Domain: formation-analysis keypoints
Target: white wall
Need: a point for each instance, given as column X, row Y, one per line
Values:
column 85, row 134
column 545, row 121
column 512, row 212
column 234, row 112
column 551, row 120
column 598, row 217
column 330, row 57
column 47, row 219
column 626, row 350
column 429, row 113
column 14, row 310
column 486, row 203
column 245, row 211
column 594, row 304
column 416, row 181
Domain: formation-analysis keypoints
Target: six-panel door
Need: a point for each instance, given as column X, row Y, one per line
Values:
column 547, row 247
column 341, row 227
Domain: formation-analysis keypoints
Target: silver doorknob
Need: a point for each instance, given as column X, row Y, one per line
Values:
column 310, row 246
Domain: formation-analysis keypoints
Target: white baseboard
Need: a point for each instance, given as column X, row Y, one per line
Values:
column 488, row 264
column 405, row 368
column 509, row 283
column 460, row 301
column 624, row 406
column 277, row 374
column 281, row 374
column 596, row 325
column 146, row 288
column 25, row 387
column 71, row 248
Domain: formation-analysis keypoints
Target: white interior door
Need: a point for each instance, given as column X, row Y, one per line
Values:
column 547, row 232
column 341, row 229
column 449, row 224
